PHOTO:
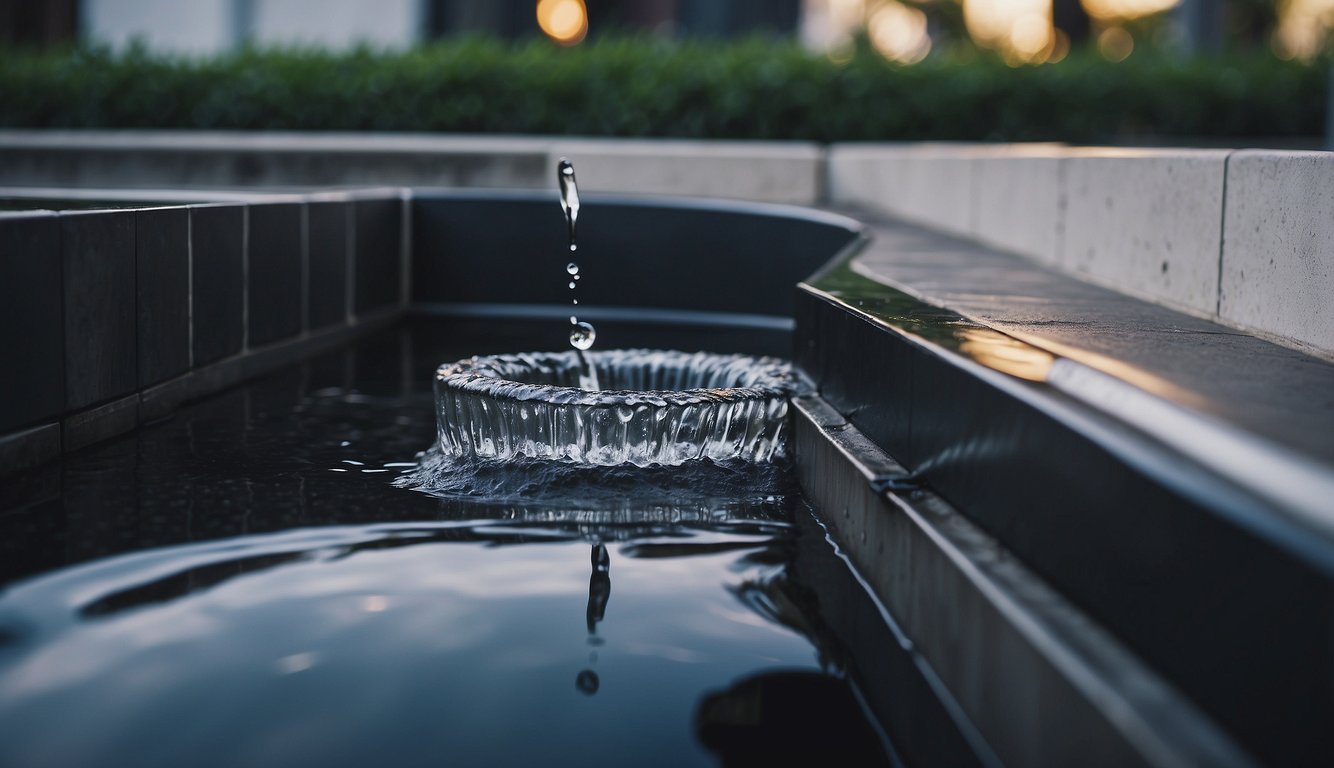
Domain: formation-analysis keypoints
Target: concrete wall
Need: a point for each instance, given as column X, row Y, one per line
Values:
column 1243, row 237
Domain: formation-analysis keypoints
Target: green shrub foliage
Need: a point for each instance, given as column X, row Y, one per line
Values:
column 753, row 89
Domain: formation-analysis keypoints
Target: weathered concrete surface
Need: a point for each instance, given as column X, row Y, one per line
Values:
column 1147, row 222
column 238, row 158
column 928, row 184
column 775, row 172
column 1278, row 245
column 766, row 171
column 1019, row 200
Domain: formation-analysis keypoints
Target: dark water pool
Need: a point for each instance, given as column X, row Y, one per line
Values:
column 242, row 585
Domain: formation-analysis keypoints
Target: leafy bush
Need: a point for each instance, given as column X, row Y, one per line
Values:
column 756, row 89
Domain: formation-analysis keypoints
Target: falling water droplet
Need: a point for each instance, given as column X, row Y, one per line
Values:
column 576, row 277
column 572, row 285
column 572, row 268
column 582, row 336
column 574, row 320
column 576, row 301
column 569, row 194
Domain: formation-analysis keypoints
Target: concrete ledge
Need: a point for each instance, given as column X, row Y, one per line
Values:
column 786, row 172
column 1146, row 222
column 1178, row 227
column 928, row 184
column 1278, row 246
column 764, row 171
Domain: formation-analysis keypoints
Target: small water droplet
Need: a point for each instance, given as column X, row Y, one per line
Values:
column 573, row 247
column 572, row 285
column 576, row 277
column 582, row 336
column 572, row 268
column 574, row 320
column 576, row 301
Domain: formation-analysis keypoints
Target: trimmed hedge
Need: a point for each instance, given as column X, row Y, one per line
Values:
column 755, row 89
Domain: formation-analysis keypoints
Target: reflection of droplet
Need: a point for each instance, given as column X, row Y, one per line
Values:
column 572, row 268
column 374, row 603
column 587, row 682
column 582, row 336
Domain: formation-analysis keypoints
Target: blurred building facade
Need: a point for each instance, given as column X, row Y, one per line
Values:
column 202, row 27
column 1022, row 31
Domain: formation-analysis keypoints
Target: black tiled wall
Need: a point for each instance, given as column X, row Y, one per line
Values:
column 109, row 318
column 379, row 266
column 101, row 343
column 32, row 323
column 275, row 279
column 217, row 237
column 162, row 253
column 327, row 232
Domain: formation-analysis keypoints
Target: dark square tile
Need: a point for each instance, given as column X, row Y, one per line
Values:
column 162, row 251
column 274, row 281
column 32, row 323
column 379, row 268
column 328, row 238
column 218, row 282
column 97, row 252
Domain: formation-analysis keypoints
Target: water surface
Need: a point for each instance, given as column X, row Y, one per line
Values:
column 242, row 585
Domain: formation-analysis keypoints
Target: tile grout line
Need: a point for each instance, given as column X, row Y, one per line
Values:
column 190, row 287
column 350, row 249
column 1222, row 234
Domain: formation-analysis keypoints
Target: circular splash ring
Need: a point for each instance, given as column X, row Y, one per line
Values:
column 655, row 407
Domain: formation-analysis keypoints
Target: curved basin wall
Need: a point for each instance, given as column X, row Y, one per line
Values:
column 681, row 255
column 116, row 317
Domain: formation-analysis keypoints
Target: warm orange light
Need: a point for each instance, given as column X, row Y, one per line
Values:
column 899, row 33
column 1304, row 28
column 1020, row 30
column 1002, row 353
column 565, row 21
column 1126, row 9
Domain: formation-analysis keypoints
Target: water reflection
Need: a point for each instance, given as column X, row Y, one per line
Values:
column 206, row 591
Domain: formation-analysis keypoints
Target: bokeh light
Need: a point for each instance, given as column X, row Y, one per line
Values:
column 1126, row 9
column 1304, row 27
column 1020, row 30
column 1115, row 44
column 565, row 21
column 899, row 32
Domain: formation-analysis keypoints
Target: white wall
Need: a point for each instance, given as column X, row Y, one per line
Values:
column 338, row 23
column 177, row 26
column 203, row 27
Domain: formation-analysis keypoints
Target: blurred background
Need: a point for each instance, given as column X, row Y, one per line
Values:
column 1022, row 31
column 1201, row 71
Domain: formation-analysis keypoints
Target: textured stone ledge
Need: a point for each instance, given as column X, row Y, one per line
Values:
column 1243, row 237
